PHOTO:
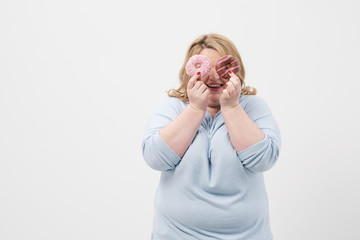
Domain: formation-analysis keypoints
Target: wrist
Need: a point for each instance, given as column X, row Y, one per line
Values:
column 230, row 107
column 193, row 107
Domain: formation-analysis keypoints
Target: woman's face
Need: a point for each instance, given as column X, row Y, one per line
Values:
column 212, row 80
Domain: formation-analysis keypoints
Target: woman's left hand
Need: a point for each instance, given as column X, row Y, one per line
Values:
column 231, row 94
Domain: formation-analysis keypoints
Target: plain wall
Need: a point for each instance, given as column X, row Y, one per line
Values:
column 79, row 80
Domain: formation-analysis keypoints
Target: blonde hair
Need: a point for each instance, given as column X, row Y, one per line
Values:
column 219, row 43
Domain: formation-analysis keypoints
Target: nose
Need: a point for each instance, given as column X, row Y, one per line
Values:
column 213, row 74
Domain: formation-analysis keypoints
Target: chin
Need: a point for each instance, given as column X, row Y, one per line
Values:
column 214, row 102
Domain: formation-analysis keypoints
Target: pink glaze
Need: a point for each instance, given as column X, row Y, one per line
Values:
column 198, row 63
column 225, row 64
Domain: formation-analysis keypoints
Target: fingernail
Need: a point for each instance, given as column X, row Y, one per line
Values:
column 229, row 71
column 198, row 73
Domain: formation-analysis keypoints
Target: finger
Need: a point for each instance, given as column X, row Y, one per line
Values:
column 206, row 92
column 192, row 80
column 232, row 75
column 230, row 87
column 226, row 93
column 198, row 84
column 202, row 88
column 235, row 82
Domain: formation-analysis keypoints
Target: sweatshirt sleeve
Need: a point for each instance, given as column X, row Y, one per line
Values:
column 262, row 155
column 156, row 153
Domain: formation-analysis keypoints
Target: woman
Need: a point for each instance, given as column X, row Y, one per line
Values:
column 212, row 139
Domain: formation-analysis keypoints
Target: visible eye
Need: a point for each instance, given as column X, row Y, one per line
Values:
column 228, row 66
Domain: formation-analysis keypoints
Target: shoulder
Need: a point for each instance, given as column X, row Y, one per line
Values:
column 254, row 105
column 171, row 104
column 172, row 101
column 249, row 101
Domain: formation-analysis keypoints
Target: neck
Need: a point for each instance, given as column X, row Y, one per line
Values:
column 213, row 110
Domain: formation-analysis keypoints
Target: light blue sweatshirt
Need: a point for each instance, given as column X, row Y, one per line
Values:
column 212, row 192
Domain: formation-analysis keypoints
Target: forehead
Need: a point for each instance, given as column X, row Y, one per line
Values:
column 212, row 54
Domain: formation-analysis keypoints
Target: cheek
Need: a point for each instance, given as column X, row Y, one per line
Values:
column 204, row 79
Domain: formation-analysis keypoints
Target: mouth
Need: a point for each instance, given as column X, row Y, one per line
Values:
column 215, row 86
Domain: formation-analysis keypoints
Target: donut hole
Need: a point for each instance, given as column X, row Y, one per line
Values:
column 228, row 66
column 198, row 65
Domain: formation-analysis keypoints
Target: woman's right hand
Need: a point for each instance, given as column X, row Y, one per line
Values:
column 180, row 132
column 197, row 93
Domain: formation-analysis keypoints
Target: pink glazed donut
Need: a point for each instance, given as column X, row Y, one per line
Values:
column 198, row 63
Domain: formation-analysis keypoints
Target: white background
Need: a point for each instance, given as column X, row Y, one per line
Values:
column 79, row 80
